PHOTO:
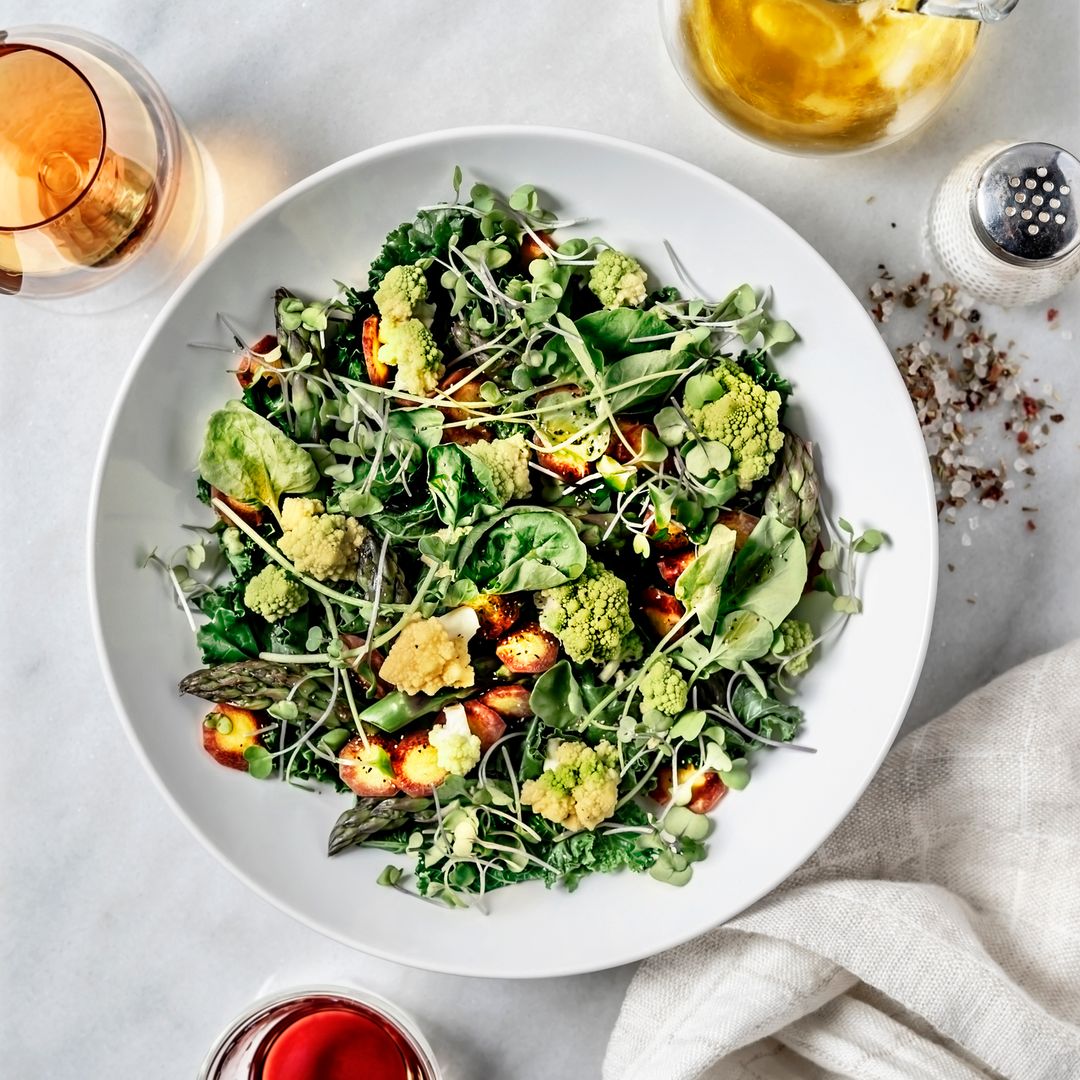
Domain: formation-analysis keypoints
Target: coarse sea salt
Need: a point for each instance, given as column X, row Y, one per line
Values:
column 964, row 386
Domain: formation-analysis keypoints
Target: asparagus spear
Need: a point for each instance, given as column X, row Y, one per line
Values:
column 257, row 684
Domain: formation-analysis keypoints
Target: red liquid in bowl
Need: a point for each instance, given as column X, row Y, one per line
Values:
column 320, row 1037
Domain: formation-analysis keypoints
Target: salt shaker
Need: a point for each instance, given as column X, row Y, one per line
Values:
column 1004, row 223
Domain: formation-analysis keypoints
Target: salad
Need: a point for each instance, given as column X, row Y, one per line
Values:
column 514, row 545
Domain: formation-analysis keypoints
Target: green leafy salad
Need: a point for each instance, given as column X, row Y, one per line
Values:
column 515, row 546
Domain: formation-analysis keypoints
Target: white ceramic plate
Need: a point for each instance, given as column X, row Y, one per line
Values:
column 850, row 400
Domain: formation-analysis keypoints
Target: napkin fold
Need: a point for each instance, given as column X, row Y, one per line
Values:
column 935, row 934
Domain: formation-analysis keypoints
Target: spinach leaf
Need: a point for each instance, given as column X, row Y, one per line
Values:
column 420, row 427
column 522, row 550
column 769, row 573
column 532, row 752
column 556, row 697
column 699, row 585
column 460, row 484
column 743, row 635
column 611, row 330
column 248, row 458
column 647, row 366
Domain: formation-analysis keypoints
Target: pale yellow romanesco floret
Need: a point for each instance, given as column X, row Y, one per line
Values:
column 426, row 657
column 508, row 462
column 579, row 786
column 401, row 295
column 409, row 347
column 617, row 280
column 458, row 748
column 326, row 546
column 746, row 420
column 272, row 594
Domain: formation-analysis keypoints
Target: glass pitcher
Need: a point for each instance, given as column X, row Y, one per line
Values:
column 824, row 76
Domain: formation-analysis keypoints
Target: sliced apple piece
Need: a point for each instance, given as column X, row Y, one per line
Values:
column 484, row 722
column 675, row 537
column 362, row 777
column 661, row 609
column 634, row 434
column 227, row 732
column 255, row 365
column 531, row 250
column 705, row 792
column 510, row 702
column 671, row 566
column 742, row 522
column 378, row 373
column 566, row 464
column 249, row 513
column 529, row 651
column 416, row 765
column 496, row 614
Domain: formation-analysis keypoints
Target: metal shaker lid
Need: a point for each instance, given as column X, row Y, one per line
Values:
column 1026, row 202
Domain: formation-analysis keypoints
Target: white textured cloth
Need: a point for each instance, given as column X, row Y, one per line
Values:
column 935, row 935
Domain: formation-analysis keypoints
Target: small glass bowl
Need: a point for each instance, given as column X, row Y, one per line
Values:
column 787, row 136
column 232, row 1055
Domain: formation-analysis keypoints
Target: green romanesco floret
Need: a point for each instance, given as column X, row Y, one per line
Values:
column 508, row 461
column 663, row 688
column 746, row 420
column 401, row 296
column 792, row 636
column 326, row 546
column 410, row 348
column 578, row 787
column 272, row 594
column 590, row 616
column 458, row 748
column 617, row 280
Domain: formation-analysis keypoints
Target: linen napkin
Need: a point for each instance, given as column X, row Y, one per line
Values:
column 935, row 935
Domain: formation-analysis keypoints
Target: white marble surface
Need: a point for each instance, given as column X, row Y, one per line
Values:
column 125, row 945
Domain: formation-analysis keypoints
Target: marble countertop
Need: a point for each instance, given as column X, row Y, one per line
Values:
column 126, row 946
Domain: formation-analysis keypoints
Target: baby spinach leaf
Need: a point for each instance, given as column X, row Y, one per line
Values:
column 248, row 458
column 460, row 484
column 522, row 550
column 611, row 330
column 648, row 366
column 698, row 586
column 769, row 573
column 556, row 697
column 421, row 427
column 744, row 635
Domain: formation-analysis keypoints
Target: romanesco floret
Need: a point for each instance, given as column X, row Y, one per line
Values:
column 272, row 594
column 590, row 616
column 617, row 280
column 326, row 546
column 664, row 688
column 792, row 636
column 458, row 748
column 579, row 786
column 508, row 460
column 426, row 657
column 746, row 420
column 410, row 348
column 401, row 295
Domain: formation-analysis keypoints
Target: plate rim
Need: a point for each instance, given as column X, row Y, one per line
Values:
column 372, row 153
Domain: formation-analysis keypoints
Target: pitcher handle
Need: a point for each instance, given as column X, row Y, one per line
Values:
column 982, row 10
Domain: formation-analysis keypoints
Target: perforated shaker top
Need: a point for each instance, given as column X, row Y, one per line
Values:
column 1025, row 202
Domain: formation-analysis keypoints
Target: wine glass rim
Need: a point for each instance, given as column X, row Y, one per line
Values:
column 17, row 46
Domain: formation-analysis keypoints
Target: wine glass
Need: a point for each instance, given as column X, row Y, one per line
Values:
column 97, row 174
